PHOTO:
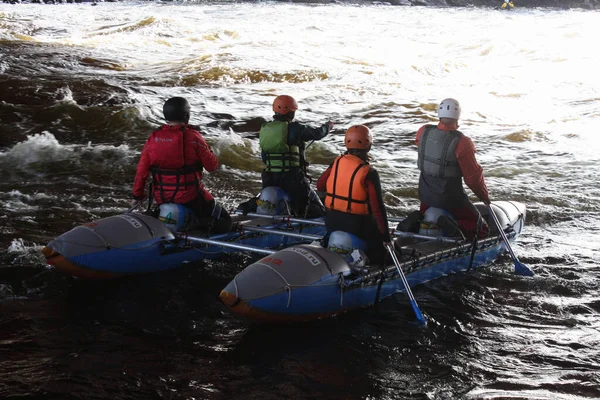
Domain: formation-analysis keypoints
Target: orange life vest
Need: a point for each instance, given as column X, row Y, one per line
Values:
column 346, row 186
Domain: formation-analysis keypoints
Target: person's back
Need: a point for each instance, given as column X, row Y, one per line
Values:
column 440, row 182
column 282, row 142
column 175, row 156
column 353, row 194
column 446, row 157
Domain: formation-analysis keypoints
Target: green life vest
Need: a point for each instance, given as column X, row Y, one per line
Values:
column 279, row 155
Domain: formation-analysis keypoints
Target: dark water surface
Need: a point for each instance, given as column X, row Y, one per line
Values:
column 81, row 89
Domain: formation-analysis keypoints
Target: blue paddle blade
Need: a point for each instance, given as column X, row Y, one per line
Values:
column 523, row 269
column 418, row 313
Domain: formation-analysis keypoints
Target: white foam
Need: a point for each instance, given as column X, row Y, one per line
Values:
column 18, row 246
column 44, row 148
column 65, row 94
column 39, row 147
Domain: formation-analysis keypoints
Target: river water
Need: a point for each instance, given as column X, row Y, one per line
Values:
column 82, row 88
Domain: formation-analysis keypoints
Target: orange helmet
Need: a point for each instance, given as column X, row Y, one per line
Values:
column 284, row 104
column 358, row 137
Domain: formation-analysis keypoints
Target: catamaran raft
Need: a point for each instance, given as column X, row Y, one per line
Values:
column 305, row 282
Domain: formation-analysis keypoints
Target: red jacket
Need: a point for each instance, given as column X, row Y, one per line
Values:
column 170, row 149
column 470, row 168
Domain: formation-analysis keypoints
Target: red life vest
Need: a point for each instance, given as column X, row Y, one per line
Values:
column 176, row 170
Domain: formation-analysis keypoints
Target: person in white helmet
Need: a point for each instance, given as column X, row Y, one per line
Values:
column 446, row 157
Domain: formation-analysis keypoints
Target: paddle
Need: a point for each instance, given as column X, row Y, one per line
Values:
column 136, row 205
column 520, row 268
column 413, row 302
column 132, row 208
column 474, row 243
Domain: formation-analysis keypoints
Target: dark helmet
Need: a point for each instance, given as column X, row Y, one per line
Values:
column 177, row 109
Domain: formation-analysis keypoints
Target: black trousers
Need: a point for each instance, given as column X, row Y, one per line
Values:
column 363, row 226
column 212, row 215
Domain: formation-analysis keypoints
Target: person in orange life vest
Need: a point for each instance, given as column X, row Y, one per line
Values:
column 446, row 156
column 176, row 155
column 282, row 143
column 353, row 195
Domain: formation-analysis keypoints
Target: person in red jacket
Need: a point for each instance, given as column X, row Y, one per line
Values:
column 353, row 195
column 446, row 157
column 176, row 156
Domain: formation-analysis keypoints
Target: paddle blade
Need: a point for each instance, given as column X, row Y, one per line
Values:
column 520, row 268
column 418, row 313
column 523, row 269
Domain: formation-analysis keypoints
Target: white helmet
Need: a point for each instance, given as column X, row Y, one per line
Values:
column 344, row 243
column 429, row 224
column 273, row 201
column 449, row 108
column 176, row 217
column 340, row 242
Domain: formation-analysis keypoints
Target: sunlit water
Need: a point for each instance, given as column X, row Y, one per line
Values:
column 82, row 88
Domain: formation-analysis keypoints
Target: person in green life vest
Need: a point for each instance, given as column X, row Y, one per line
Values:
column 282, row 144
column 508, row 4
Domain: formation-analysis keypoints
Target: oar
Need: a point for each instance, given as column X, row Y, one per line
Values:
column 227, row 244
column 474, row 243
column 136, row 205
column 520, row 268
column 413, row 302
column 130, row 209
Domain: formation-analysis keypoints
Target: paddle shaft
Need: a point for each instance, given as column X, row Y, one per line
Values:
column 520, row 268
column 474, row 243
column 501, row 230
column 413, row 302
